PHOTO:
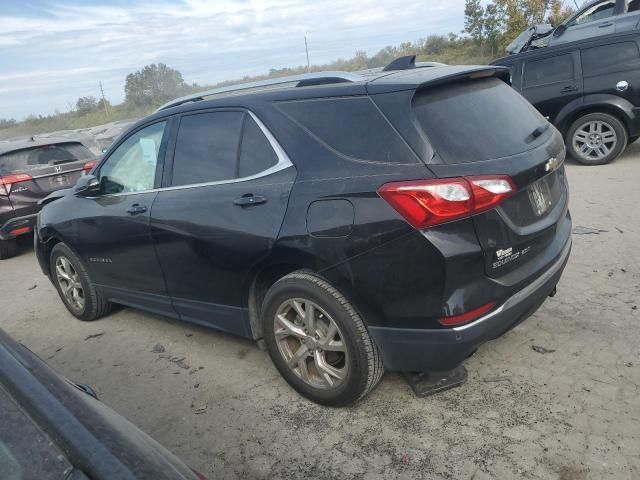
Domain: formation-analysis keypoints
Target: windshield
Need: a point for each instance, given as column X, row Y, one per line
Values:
column 25, row 452
column 44, row 156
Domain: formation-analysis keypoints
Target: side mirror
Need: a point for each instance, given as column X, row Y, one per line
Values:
column 560, row 30
column 87, row 186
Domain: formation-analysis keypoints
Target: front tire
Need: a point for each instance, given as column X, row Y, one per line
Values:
column 76, row 290
column 8, row 248
column 596, row 139
column 318, row 341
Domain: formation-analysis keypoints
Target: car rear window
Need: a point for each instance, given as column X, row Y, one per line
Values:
column 476, row 121
column 27, row 159
column 351, row 126
column 605, row 59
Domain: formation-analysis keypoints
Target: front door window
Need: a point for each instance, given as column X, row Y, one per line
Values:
column 132, row 167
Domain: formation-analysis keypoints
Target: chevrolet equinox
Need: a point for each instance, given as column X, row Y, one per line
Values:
column 354, row 223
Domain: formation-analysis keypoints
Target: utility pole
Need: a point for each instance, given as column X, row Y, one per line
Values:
column 306, row 48
column 104, row 100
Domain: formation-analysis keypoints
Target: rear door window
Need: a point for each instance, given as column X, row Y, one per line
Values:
column 256, row 153
column 615, row 57
column 207, row 148
column 475, row 121
column 28, row 159
column 548, row 70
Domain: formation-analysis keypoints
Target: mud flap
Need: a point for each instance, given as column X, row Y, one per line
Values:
column 425, row 384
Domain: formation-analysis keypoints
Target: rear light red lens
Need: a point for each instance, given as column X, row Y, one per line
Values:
column 7, row 181
column 490, row 191
column 89, row 165
column 20, row 231
column 424, row 203
column 466, row 317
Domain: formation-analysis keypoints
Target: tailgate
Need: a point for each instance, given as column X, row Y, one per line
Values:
column 485, row 128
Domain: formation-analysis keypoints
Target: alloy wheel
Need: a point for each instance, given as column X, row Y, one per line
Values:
column 69, row 282
column 311, row 343
column 594, row 140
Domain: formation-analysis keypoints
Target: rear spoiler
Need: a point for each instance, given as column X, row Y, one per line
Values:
column 433, row 77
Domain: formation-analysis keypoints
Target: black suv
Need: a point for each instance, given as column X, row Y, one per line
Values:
column 29, row 171
column 590, row 90
column 400, row 219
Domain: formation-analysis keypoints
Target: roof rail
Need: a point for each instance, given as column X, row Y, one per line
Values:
column 303, row 80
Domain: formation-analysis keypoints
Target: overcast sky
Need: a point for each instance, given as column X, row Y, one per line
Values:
column 52, row 52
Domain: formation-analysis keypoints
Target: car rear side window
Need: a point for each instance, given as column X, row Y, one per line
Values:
column 256, row 154
column 207, row 148
column 475, row 121
column 548, row 70
column 615, row 57
column 352, row 127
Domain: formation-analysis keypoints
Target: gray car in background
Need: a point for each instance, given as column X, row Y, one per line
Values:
column 594, row 18
column 31, row 169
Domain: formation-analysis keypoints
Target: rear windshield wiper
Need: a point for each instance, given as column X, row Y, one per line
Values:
column 66, row 160
column 540, row 130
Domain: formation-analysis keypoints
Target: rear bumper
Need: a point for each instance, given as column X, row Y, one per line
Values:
column 17, row 223
column 413, row 350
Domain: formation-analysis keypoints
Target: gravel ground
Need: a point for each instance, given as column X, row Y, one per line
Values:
column 217, row 401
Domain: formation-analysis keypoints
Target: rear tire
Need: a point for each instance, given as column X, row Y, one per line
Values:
column 596, row 139
column 8, row 248
column 318, row 341
column 76, row 290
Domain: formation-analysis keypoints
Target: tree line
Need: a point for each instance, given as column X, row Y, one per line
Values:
column 488, row 29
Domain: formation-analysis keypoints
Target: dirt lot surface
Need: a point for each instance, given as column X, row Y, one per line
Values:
column 571, row 413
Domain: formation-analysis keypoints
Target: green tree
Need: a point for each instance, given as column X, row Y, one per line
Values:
column 153, row 85
column 474, row 19
column 7, row 122
column 86, row 105
column 558, row 12
column 493, row 25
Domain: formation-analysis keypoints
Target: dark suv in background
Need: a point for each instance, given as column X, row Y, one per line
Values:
column 29, row 171
column 590, row 90
column 397, row 220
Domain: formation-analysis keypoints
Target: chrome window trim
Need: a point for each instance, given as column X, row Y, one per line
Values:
column 283, row 163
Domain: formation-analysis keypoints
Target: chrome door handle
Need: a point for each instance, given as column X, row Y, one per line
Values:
column 249, row 199
column 136, row 209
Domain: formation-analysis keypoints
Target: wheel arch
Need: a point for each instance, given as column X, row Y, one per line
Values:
column 279, row 266
column 618, row 107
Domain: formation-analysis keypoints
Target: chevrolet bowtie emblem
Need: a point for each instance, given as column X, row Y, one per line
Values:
column 551, row 165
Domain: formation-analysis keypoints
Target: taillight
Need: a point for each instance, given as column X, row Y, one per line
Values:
column 19, row 231
column 89, row 166
column 466, row 317
column 8, row 180
column 424, row 203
